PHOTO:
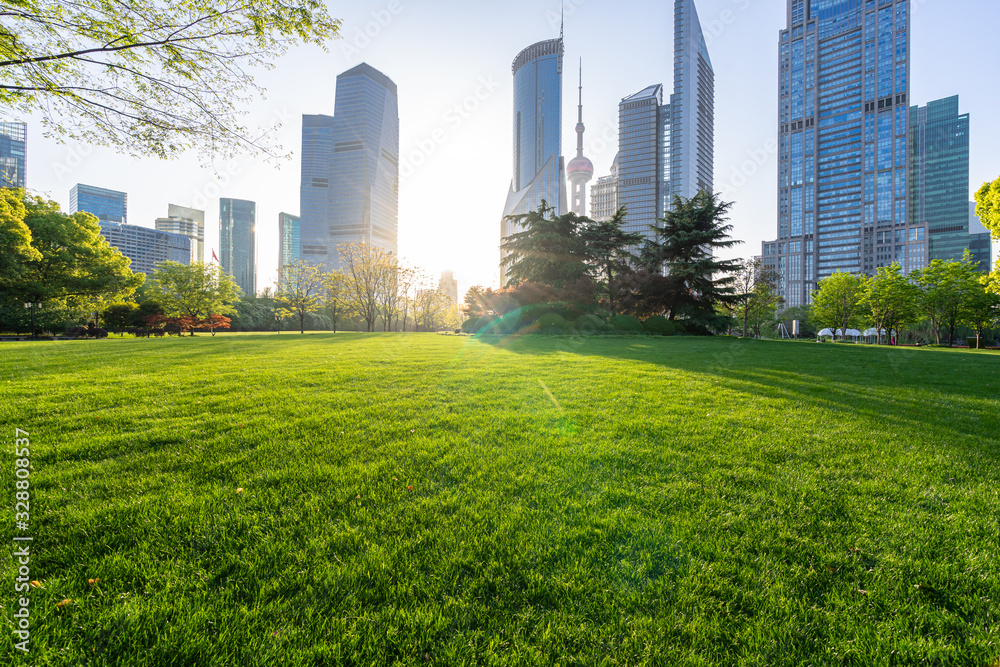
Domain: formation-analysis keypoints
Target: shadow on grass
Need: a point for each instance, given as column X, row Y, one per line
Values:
column 900, row 387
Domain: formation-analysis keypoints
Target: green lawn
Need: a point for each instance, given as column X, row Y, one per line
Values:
column 606, row 501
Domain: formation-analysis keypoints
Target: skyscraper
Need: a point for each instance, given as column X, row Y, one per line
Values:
column 843, row 160
column 187, row 221
column 146, row 247
column 604, row 195
column 107, row 205
column 290, row 239
column 238, row 242
column 13, row 154
column 539, row 168
column 692, row 107
column 580, row 169
column 644, row 158
column 665, row 149
column 939, row 181
column 349, row 191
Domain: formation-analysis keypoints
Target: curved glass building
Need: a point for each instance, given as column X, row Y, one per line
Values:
column 539, row 169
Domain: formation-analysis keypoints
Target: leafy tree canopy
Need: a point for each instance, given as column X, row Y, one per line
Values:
column 550, row 249
column 195, row 290
column 149, row 77
column 988, row 207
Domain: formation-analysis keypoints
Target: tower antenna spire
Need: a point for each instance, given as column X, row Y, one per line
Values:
column 562, row 19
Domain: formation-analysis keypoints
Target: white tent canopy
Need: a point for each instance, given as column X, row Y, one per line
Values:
column 829, row 333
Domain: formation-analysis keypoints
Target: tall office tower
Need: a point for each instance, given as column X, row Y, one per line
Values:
column 448, row 285
column 238, row 242
column 13, row 154
column 539, row 168
column 107, row 205
column 289, row 240
column 350, row 169
column 843, row 159
column 644, row 158
column 187, row 221
column 939, row 182
column 580, row 170
column 981, row 240
column 692, row 107
column 146, row 247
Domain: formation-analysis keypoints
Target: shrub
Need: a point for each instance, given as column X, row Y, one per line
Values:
column 551, row 323
column 485, row 324
column 626, row 324
column 659, row 326
column 590, row 325
column 470, row 326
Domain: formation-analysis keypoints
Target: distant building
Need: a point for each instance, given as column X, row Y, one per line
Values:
column 449, row 285
column 939, row 184
column 107, row 205
column 146, row 247
column 604, row 195
column 13, row 154
column 189, row 222
column 238, row 242
column 539, row 169
column 349, row 192
column 289, row 240
column 981, row 240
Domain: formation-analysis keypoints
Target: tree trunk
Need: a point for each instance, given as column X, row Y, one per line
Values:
column 302, row 322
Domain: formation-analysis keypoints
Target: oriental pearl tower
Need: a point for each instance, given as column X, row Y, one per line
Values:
column 580, row 170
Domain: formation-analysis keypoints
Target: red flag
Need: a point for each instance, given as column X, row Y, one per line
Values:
column 214, row 258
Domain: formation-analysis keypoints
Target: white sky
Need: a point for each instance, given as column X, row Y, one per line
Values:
column 451, row 61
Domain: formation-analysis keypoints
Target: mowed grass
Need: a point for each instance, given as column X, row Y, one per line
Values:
column 605, row 501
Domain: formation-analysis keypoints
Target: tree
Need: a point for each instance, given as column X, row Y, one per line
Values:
column 891, row 298
column 988, row 207
column 947, row 288
column 15, row 238
column 838, row 300
column 300, row 291
column 757, row 297
column 609, row 248
column 431, row 308
column 72, row 264
column 683, row 249
column 257, row 312
column 335, row 297
column 214, row 322
column 982, row 311
column 549, row 249
column 194, row 291
column 389, row 294
column 364, row 272
column 150, row 78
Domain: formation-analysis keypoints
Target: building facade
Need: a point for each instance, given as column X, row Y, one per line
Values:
column 604, row 195
column 939, row 182
column 448, row 285
column 843, row 198
column 692, row 107
column 238, row 242
column 107, row 205
column 289, row 239
column 644, row 159
column 539, row 172
column 13, row 154
column 189, row 222
column 146, row 247
column 349, row 192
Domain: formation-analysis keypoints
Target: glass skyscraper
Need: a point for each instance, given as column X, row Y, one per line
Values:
column 349, row 191
column 238, row 242
column 290, row 239
column 539, row 171
column 187, row 221
column 13, row 154
column 843, row 197
column 644, row 159
column 146, row 247
column 939, row 181
column 107, row 205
